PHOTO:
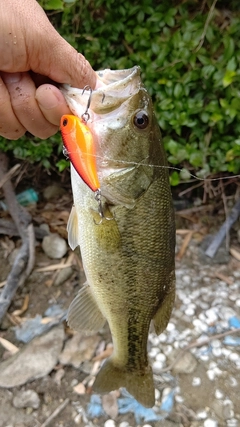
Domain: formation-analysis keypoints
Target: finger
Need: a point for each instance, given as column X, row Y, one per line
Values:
column 25, row 106
column 10, row 127
column 52, row 103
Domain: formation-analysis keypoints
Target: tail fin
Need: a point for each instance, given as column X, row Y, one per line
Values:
column 140, row 385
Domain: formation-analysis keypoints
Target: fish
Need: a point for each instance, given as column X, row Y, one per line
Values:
column 127, row 246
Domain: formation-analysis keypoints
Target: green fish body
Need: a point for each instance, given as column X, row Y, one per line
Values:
column 128, row 255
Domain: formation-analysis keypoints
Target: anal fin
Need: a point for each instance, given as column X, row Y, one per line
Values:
column 84, row 314
column 72, row 229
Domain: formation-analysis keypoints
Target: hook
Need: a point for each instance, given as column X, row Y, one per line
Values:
column 86, row 116
column 98, row 196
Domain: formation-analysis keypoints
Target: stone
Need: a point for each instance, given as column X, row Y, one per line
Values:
column 63, row 275
column 109, row 423
column 52, row 191
column 26, row 399
column 186, row 365
column 35, row 360
column 54, row 246
column 78, row 349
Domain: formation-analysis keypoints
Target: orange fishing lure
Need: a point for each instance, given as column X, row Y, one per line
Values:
column 78, row 142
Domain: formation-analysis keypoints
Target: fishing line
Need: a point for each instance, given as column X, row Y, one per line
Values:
column 132, row 163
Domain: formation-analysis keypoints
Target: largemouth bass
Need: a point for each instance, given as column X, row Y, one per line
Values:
column 128, row 251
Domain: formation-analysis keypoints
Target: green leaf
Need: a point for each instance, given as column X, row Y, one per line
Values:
column 174, row 178
column 53, row 5
column 228, row 78
column 185, row 174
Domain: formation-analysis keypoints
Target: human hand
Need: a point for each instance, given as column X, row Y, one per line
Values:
column 32, row 54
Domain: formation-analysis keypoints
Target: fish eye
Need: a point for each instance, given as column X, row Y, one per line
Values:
column 65, row 122
column 141, row 120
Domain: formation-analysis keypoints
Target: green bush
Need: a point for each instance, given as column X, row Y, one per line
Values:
column 195, row 88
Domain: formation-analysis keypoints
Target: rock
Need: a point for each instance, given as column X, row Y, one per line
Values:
column 78, row 349
column 110, row 406
column 54, row 246
column 26, row 399
column 210, row 423
column 109, row 423
column 186, row 365
column 34, row 360
column 52, row 191
column 63, row 276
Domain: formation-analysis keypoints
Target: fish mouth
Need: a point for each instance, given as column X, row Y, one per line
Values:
column 115, row 87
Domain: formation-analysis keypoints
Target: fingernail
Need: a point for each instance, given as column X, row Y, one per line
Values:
column 11, row 77
column 47, row 99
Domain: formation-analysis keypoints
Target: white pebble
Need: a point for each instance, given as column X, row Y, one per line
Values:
column 233, row 382
column 153, row 352
column 179, row 399
column 124, row 424
column 109, row 423
column 233, row 357
column 162, row 338
column 166, row 392
column 232, row 423
column 147, row 425
column 187, row 279
column 189, row 311
column 201, row 415
column 196, row 381
column 237, row 302
column 212, row 317
column 210, row 423
column 216, row 343
column 200, row 326
column 157, row 394
column 171, row 327
column 226, row 352
column 186, row 301
column 168, row 349
column 217, row 352
column 203, row 357
column 161, row 357
column 211, row 374
column 219, row 394
column 195, row 294
column 212, row 365
column 217, row 371
column 153, row 339
column 157, row 366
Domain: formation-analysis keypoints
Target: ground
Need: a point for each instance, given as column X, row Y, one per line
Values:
column 201, row 388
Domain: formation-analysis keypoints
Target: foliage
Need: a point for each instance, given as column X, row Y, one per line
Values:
column 195, row 88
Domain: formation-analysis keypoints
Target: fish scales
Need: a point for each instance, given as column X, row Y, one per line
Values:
column 128, row 258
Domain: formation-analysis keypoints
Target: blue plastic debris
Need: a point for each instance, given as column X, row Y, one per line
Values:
column 34, row 327
column 168, row 402
column 141, row 414
column 234, row 322
column 232, row 341
column 95, row 409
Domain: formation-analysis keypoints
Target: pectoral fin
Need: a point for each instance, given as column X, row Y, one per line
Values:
column 163, row 314
column 84, row 314
column 72, row 229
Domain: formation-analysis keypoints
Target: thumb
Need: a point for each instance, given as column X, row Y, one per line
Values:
column 52, row 56
column 63, row 64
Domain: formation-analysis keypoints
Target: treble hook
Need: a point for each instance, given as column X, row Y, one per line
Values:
column 98, row 196
column 86, row 116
